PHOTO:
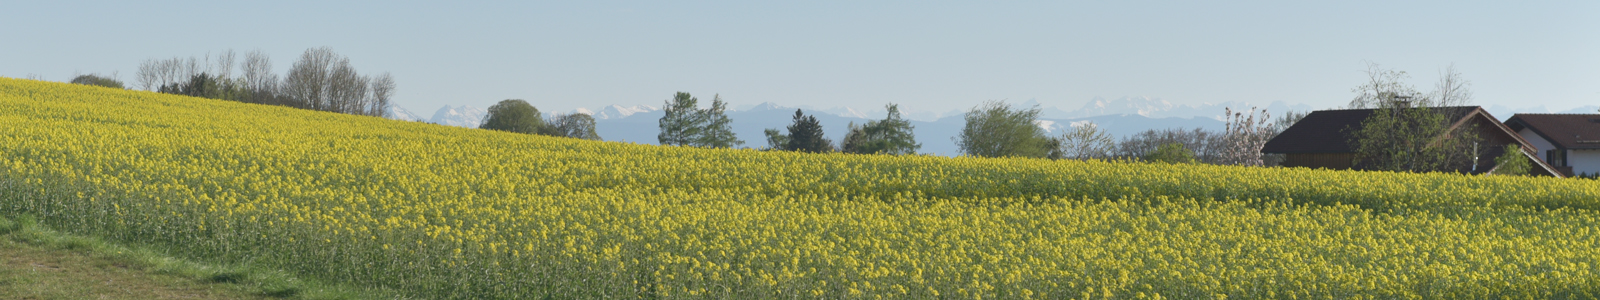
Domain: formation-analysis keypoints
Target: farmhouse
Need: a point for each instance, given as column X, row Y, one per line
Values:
column 1568, row 142
column 1322, row 140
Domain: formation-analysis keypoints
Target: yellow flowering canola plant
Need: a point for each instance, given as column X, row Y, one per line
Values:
column 444, row 212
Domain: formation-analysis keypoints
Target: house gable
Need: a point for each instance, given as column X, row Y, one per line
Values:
column 1569, row 131
column 1569, row 142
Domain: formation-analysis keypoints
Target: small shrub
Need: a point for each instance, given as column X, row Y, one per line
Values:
column 1512, row 162
column 1172, row 153
column 97, row 80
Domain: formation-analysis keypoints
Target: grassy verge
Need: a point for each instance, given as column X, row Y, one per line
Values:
column 39, row 263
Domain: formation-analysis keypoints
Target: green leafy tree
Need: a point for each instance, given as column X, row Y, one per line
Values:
column 514, row 115
column 805, row 135
column 1410, row 131
column 681, row 125
column 776, row 140
column 1410, row 139
column 994, row 129
column 716, row 130
column 1172, row 153
column 97, row 80
column 685, row 124
column 1512, row 162
column 892, row 135
column 580, row 126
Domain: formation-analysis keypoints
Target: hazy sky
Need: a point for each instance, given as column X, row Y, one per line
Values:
column 924, row 55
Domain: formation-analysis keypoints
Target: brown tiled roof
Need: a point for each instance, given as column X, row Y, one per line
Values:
column 1571, row 131
column 1327, row 131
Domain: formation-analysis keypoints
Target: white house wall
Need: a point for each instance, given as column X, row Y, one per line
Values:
column 1538, row 142
column 1584, row 161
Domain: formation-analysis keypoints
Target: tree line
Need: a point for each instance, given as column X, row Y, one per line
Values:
column 323, row 80
column 1399, row 136
column 994, row 129
column 319, row 80
column 516, row 115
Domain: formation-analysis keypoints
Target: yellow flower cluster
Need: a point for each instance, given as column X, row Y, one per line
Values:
column 448, row 212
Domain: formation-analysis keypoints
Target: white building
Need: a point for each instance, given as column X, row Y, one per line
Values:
column 1569, row 142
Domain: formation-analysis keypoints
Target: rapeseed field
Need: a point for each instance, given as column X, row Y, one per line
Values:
column 445, row 212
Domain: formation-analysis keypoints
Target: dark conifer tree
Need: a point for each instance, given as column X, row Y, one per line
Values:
column 806, row 135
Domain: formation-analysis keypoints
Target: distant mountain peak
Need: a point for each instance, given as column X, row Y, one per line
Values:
column 399, row 113
column 846, row 112
column 461, row 116
column 1139, row 105
column 617, row 111
column 767, row 106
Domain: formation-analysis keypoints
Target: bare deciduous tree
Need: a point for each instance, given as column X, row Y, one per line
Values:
column 154, row 73
column 348, row 89
column 323, row 80
column 1452, row 90
column 1382, row 85
column 1203, row 143
column 1086, row 141
column 382, row 89
column 223, row 66
column 320, row 80
column 190, row 67
column 147, row 74
column 308, row 79
column 258, row 71
column 258, row 78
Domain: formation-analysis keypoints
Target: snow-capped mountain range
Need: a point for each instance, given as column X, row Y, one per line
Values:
column 460, row 116
column 615, row 111
column 398, row 113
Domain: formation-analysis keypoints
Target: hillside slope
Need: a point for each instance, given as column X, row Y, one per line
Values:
column 446, row 212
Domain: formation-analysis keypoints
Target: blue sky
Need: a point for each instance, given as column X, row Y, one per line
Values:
column 925, row 55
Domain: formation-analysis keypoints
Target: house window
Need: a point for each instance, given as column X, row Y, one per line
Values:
column 1556, row 157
